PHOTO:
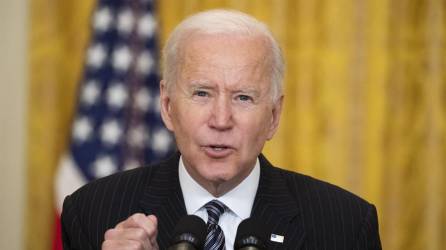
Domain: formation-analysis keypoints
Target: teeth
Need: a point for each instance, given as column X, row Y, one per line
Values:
column 217, row 148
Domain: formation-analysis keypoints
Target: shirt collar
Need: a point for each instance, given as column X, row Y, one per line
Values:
column 239, row 200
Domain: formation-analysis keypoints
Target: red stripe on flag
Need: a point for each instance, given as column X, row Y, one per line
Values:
column 57, row 236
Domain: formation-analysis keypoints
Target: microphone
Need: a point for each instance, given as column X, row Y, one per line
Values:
column 251, row 235
column 189, row 234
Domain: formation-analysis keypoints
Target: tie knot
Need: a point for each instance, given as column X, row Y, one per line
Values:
column 215, row 209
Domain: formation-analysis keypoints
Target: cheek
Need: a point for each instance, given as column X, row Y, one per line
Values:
column 257, row 126
column 188, row 119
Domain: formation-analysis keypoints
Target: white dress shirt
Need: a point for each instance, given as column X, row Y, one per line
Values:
column 239, row 201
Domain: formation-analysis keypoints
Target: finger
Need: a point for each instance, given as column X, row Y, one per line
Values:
column 129, row 222
column 122, row 245
column 131, row 234
column 148, row 223
column 137, row 234
column 128, row 238
column 139, row 220
column 155, row 223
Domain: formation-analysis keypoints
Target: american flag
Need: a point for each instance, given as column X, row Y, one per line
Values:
column 117, row 125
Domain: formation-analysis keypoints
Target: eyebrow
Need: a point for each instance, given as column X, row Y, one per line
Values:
column 203, row 84
column 250, row 92
column 196, row 84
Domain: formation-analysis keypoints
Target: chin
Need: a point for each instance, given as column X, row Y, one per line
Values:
column 216, row 176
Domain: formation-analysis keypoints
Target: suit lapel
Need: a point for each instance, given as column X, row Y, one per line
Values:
column 163, row 198
column 273, row 204
column 277, row 208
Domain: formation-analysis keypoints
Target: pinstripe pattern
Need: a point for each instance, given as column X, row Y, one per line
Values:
column 215, row 239
column 309, row 213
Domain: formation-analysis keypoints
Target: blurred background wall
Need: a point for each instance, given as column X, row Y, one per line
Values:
column 13, row 99
column 365, row 104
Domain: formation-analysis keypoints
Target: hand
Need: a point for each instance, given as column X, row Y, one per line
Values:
column 137, row 232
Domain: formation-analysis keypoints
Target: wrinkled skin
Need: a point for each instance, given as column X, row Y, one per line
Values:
column 221, row 108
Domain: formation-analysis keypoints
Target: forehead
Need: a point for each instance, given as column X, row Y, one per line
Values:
column 231, row 57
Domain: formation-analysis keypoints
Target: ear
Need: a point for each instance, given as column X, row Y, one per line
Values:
column 275, row 118
column 165, row 103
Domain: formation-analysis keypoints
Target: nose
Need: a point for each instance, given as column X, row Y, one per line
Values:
column 221, row 117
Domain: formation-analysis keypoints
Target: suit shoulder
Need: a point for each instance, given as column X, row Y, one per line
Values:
column 126, row 181
column 304, row 184
column 303, row 187
column 325, row 203
column 327, row 209
column 111, row 192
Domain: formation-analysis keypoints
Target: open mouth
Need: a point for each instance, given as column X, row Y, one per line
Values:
column 218, row 148
column 218, row 151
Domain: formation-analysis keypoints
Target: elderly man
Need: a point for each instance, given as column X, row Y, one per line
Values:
column 222, row 97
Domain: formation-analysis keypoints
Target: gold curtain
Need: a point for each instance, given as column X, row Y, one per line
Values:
column 365, row 101
column 58, row 32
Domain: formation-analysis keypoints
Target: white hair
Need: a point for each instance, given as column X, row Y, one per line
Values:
column 220, row 21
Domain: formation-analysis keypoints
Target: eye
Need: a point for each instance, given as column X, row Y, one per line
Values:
column 201, row 93
column 244, row 98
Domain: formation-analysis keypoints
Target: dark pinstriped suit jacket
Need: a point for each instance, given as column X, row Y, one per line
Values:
column 309, row 213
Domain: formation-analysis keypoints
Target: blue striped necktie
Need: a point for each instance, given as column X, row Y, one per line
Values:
column 215, row 239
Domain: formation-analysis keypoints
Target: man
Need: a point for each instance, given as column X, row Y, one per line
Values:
column 222, row 97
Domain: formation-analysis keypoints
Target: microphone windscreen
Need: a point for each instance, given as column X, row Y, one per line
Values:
column 190, row 229
column 251, row 233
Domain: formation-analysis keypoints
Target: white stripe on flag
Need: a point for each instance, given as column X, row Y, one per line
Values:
column 68, row 180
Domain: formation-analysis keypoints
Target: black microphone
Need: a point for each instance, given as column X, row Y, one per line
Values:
column 189, row 234
column 251, row 235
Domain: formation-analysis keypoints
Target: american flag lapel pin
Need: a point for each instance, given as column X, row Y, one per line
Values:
column 277, row 238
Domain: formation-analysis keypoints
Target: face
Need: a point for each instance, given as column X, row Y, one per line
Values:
column 221, row 108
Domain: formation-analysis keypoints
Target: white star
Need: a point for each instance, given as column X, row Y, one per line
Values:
column 117, row 95
column 102, row 19
column 145, row 63
column 122, row 58
column 82, row 129
column 137, row 136
column 110, row 132
column 90, row 93
column 146, row 26
column 126, row 21
column 143, row 99
column 161, row 141
column 96, row 55
column 103, row 166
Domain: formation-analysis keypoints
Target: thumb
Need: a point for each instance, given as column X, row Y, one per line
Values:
column 153, row 219
column 155, row 223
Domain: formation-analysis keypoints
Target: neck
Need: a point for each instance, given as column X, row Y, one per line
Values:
column 219, row 187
